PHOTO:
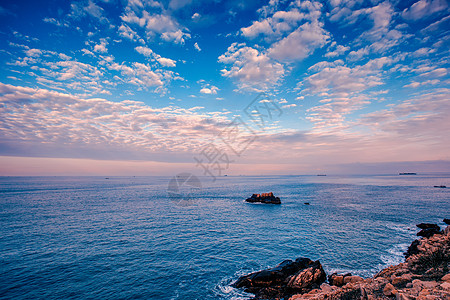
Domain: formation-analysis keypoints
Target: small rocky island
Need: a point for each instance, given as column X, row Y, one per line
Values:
column 424, row 275
column 267, row 198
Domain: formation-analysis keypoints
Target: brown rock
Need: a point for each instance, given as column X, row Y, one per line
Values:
column 313, row 275
column 445, row 285
column 352, row 279
column 326, row 287
column 335, row 279
column 388, row 290
column 446, row 277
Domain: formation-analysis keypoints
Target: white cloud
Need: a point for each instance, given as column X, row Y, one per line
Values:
column 300, row 43
column 87, row 52
column 282, row 23
column 211, row 90
column 197, row 47
column 166, row 62
column 128, row 33
column 416, row 84
column 162, row 24
column 251, row 68
column 340, row 50
column 64, row 56
column 56, row 22
column 101, row 48
column 82, row 9
column 33, row 52
column 424, row 8
column 340, row 89
column 38, row 122
column 289, row 105
column 358, row 54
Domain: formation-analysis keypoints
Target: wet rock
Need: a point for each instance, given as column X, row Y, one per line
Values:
column 429, row 232
column 288, row 278
column 446, row 221
column 267, row 198
column 427, row 226
column 428, row 229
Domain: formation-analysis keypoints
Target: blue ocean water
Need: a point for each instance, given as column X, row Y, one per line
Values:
column 125, row 238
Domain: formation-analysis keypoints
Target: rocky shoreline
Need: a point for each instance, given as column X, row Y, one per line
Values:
column 425, row 275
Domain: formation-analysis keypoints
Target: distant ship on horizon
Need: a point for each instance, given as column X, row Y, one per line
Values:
column 407, row 173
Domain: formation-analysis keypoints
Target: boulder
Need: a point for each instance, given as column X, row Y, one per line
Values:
column 267, row 198
column 287, row 278
column 429, row 232
column 446, row 221
column 342, row 279
column 427, row 226
column 428, row 229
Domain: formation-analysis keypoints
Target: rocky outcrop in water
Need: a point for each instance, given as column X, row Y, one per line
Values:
column 267, row 198
column 288, row 278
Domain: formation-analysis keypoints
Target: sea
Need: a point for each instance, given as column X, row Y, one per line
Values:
column 187, row 237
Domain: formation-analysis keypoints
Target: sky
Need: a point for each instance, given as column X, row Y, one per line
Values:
column 143, row 87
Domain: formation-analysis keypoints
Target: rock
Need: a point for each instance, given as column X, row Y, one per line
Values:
column 446, row 221
column 429, row 232
column 352, row 279
column 267, row 198
column 307, row 278
column 445, row 285
column 412, row 249
column 388, row 290
column 446, row 277
column 428, row 225
column 287, row 278
column 326, row 287
column 336, row 280
column 401, row 296
column 401, row 280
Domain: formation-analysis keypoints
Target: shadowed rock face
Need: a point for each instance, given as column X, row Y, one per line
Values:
column 286, row 279
column 428, row 229
column 267, row 198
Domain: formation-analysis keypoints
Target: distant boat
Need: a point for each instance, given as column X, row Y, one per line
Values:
column 440, row 186
column 407, row 173
column 321, row 174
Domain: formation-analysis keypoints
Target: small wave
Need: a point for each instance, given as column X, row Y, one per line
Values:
column 224, row 290
column 394, row 256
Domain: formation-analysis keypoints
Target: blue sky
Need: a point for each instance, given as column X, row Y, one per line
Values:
column 146, row 85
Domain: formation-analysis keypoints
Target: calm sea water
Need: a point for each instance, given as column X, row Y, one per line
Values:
column 125, row 238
